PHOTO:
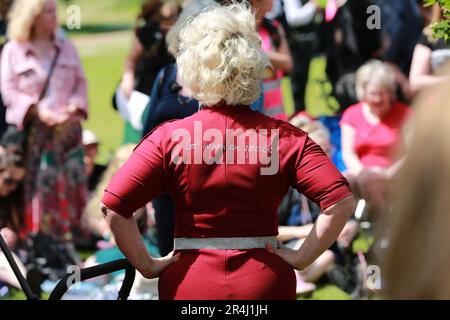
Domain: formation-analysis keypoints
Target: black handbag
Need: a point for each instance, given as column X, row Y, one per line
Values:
column 13, row 137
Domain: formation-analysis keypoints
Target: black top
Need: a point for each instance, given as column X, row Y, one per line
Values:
column 166, row 103
column 95, row 177
column 402, row 24
column 359, row 43
column 11, row 211
column 2, row 107
column 155, row 56
column 296, row 210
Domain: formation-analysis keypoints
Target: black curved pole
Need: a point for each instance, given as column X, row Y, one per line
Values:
column 99, row 270
column 22, row 281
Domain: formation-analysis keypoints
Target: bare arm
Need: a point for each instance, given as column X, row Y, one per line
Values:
column 282, row 59
column 128, row 239
column 325, row 231
column 402, row 81
column 351, row 160
column 286, row 233
column 127, row 84
column 420, row 75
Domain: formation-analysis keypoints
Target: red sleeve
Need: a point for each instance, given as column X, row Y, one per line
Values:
column 317, row 177
column 140, row 179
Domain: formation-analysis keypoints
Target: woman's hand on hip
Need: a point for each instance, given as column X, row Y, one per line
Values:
column 290, row 256
column 158, row 265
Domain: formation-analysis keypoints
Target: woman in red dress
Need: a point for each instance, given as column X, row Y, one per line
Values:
column 227, row 169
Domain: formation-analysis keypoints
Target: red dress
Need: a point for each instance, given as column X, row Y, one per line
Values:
column 226, row 198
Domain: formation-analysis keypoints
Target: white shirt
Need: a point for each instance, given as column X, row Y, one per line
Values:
column 297, row 14
column 276, row 11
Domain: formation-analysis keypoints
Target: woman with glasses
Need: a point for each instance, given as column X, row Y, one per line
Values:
column 12, row 172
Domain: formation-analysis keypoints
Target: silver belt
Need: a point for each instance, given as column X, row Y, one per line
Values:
column 238, row 243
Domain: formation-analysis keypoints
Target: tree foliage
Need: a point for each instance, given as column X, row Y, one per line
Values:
column 441, row 28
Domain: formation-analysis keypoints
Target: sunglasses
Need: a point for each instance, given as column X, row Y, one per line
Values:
column 10, row 181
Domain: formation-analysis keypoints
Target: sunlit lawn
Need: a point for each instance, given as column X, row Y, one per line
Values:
column 103, row 64
column 100, row 12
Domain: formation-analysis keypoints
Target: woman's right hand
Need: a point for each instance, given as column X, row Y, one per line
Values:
column 127, row 85
column 47, row 117
column 158, row 265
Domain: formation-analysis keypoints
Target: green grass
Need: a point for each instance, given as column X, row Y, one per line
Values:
column 103, row 58
column 102, row 12
column 16, row 294
column 316, row 105
column 326, row 292
column 362, row 244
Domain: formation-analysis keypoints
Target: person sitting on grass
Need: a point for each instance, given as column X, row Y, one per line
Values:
column 93, row 220
column 297, row 215
column 12, row 172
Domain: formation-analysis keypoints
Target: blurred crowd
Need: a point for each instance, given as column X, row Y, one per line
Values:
column 51, row 185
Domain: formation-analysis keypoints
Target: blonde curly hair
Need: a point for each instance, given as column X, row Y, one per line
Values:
column 22, row 17
column 220, row 56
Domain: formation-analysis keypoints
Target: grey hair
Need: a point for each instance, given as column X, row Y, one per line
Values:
column 378, row 72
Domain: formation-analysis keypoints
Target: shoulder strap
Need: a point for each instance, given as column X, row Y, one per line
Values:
column 52, row 68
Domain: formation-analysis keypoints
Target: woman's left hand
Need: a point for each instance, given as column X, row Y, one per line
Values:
column 290, row 256
column 158, row 265
column 10, row 237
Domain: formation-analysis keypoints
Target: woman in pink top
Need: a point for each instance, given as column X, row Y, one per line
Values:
column 55, row 185
column 275, row 45
column 372, row 132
